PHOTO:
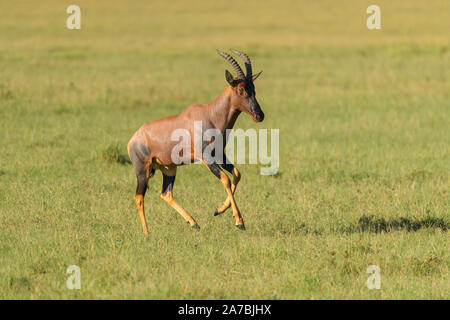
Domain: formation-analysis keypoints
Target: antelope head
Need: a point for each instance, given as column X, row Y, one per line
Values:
column 244, row 96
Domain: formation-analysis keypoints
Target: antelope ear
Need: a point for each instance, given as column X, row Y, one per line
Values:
column 255, row 76
column 230, row 78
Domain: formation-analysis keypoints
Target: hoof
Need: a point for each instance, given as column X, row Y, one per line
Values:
column 240, row 226
column 196, row 227
column 216, row 213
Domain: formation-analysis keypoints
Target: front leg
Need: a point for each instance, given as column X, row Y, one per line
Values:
column 218, row 172
column 236, row 177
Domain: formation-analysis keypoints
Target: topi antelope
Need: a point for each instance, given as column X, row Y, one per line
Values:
column 151, row 146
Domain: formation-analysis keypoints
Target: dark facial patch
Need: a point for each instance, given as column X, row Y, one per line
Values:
column 258, row 115
column 250, row 88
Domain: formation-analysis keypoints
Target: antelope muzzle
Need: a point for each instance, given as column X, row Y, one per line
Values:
column 257, row 113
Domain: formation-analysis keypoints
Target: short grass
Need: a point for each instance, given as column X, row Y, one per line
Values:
column 364, row 150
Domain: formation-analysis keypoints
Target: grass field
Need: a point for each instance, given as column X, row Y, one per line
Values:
column 364, row 150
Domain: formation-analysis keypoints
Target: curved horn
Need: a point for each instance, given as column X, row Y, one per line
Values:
column 233, row 62
column 248, row 64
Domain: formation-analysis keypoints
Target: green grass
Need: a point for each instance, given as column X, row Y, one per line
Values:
column 364, row 150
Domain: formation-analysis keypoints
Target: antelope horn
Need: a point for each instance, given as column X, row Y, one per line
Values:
column 236, row 67
column 248, row 64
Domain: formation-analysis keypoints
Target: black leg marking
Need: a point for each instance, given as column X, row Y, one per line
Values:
column 228, row 167
column 168, row 182
column 213, row 166
column 138, row 154
column 226, row 164
column 142, row 184
column 215, row 169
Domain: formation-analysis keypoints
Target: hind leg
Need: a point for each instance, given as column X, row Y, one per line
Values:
column 142, row 180
column 139, row 157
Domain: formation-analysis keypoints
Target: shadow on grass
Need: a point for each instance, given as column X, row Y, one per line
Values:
column 370, row 224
